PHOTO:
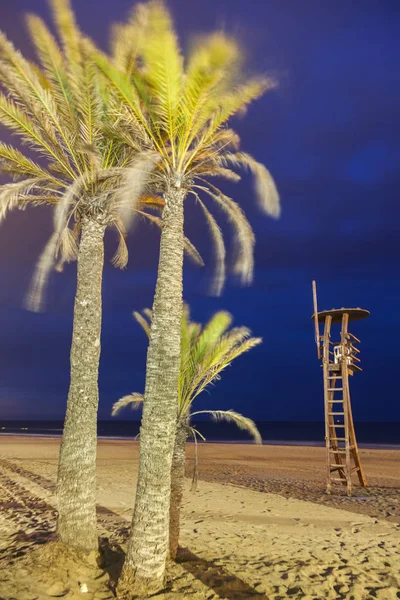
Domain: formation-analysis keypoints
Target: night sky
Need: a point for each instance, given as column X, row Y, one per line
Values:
column 330, row 134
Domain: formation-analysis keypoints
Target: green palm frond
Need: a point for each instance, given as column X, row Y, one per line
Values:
column 54, row 67
column 67, row 30
column 211, row 65
column 13, row 161
column 15, row 119
column 25, row 86
column 129, row 95
column 164, row 75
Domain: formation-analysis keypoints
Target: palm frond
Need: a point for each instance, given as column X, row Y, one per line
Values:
column 126, row 39
column 244, row 346
column 143, row 322
column 224, row 173
column 231, row 416
column 189, row 248
column 47, row 259
column 67, row 248
column 67, row 29
column 136, row 177
column 244, row 261
column 14, row 162
column 235, row 100
column 267, row 194
column 12, row 193
column 219, row 251
column 134, row 401
column 211, row 67
column 52, row 60
column 15, row 119
column 192, row 252
column 211, row 333
column 120, row 258
column 25, row 86
column 228, row 105
column 128, row 95
column 164, row 69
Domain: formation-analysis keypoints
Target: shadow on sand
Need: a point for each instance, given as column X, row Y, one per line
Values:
column 219, row 580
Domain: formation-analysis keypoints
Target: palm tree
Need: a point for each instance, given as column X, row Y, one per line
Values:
column 62, row 110
column 205, row 352
column 184, row 109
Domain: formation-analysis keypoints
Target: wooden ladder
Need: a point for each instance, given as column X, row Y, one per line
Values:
column 341, row 446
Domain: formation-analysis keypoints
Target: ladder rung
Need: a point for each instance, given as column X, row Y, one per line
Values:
column 340, row 439
column 338, row 479
column 341, row 451
column 337, row 401
column 335, row 377
column 336, row 414
column 334, row 389
column 336, row 467
column 342, row 425
column 354, row 469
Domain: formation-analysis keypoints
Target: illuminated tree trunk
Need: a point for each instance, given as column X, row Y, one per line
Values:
column 177, row 483
column 76, row 484
column 144, row 568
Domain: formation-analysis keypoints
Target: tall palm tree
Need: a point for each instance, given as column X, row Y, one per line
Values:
column 184, row 109
column 205, row 352
column 64, row 113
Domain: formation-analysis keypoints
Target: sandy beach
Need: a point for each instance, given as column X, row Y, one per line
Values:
column 259, row 525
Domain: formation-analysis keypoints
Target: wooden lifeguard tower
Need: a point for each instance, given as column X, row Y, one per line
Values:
column 339, row 361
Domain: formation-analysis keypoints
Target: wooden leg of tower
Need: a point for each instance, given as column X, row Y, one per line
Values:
column 346, row 426
column 346, row 398
column 354, row 448
column 351, row 435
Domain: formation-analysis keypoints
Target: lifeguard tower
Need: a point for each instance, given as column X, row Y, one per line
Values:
column 340, row 360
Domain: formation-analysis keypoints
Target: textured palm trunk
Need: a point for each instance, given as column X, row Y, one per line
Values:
column 76, row 484
column 144, row 568
column 177, row 483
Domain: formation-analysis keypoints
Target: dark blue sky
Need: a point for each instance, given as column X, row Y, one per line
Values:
column 330, row 135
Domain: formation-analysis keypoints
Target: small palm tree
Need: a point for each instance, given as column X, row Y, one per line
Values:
column 205, row 352
column 184, row 108
column 63, row 111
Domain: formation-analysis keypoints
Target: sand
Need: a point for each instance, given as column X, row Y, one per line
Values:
column 237, row 542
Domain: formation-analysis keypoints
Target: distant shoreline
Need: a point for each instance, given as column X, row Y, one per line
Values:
column 309, row 443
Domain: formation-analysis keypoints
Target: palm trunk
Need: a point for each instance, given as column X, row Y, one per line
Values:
column 76, row 484
column 177, row 482
column 144, row 568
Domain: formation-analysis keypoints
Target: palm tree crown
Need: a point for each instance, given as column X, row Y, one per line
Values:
column 63, row 111
column 205, row 352
column 184, row 108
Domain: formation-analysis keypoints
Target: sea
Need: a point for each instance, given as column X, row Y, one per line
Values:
column 302, row 433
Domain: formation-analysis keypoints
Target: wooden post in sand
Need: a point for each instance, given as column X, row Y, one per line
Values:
column 342, row 454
